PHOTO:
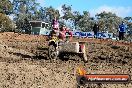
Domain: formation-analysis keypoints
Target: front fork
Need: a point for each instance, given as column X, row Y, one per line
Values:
column 82, row 48
column 57, row 48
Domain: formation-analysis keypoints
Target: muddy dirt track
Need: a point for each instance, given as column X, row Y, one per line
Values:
column 19, row 68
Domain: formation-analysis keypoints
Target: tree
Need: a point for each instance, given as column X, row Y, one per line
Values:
column 25, row 9
column 27, row 26
column 5, row 23
column 86, row 22
column 42, row 14
column 108, row 21
column 76, row 18
column 68, row 16
column 129, row 23
column 5, row 7
column 51, row 13
column 67, row 11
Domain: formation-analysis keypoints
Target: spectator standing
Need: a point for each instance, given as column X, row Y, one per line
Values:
column 122, row 30
column 95, row 30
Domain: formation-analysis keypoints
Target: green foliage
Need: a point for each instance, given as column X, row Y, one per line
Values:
column 25, row 9
column 108, row 21
column 5, row 7
column 5, row 23
column 51, row 13
column 31, row 10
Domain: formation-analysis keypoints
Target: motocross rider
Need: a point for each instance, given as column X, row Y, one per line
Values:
column 59, row 32
column 62, row 33
column 55, row 25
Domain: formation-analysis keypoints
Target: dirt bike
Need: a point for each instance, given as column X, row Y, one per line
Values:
column 53, row 48
column 57, row 48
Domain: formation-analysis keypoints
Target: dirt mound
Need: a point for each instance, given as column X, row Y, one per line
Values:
column 19, row 68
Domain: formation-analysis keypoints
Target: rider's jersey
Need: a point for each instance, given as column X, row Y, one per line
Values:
column 62, row 34
column 122, row 28
column 55, row 24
